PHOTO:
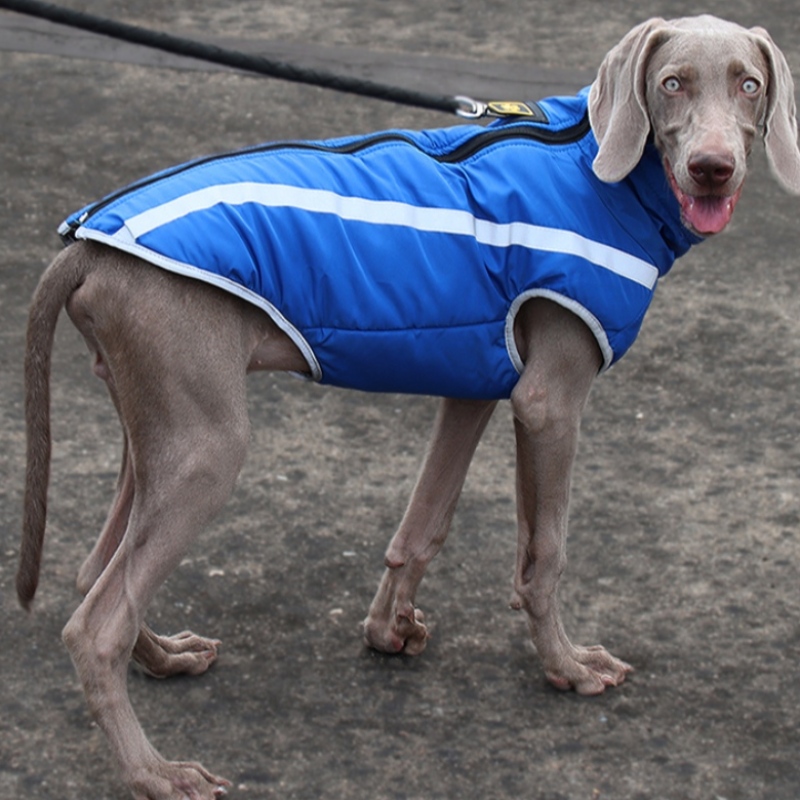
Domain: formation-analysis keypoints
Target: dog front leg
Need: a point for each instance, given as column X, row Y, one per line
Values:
column 548, row 402
column 394, row 624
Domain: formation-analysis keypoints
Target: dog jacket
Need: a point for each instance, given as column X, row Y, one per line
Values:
column 398, row 261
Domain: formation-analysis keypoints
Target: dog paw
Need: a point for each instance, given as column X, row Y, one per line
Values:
column 405, row 633
column 173, row 780
column 184, row 653
column 588, row 670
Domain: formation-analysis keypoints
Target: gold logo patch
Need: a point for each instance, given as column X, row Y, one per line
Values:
column 509, row 108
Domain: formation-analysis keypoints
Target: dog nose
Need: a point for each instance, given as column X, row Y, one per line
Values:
column 711, row 170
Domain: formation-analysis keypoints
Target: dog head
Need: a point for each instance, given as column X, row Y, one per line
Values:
column 704, row 88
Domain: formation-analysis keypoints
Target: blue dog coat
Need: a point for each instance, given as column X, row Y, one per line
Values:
column 397, row 261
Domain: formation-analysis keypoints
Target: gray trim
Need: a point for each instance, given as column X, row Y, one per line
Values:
column 566, row 302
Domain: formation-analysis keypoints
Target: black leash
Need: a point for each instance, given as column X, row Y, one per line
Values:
column 463, row 106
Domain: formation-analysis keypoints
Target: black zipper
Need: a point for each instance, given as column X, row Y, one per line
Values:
column 515, row 131
column 475, row 144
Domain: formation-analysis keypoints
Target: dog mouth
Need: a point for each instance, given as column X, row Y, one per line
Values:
column 704, row 214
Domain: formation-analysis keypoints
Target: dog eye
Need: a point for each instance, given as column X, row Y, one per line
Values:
column 750, row 86
column 672, row 84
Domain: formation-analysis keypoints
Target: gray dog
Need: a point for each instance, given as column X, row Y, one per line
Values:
column 316, row 258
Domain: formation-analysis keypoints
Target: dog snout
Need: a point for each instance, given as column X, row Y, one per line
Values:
column 711, row 170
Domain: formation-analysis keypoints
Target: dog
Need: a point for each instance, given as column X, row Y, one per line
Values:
column 667, row 126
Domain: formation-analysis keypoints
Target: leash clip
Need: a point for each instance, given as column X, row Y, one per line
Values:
column 503, row 109
column 469, row 108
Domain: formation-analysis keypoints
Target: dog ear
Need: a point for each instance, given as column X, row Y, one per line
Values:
column 780, row 121
column 618, row 103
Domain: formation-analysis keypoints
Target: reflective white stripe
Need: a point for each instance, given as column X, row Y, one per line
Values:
column 387, row 212
column 557, row 240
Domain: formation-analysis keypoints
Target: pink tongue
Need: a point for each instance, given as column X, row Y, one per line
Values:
column 708, row 214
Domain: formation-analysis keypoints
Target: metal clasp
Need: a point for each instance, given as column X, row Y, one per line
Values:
column 504, row 109
column 469, row 108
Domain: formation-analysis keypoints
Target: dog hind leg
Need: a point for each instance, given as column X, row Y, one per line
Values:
column 184, row 653
column 101, row 634
column 183, row 406
column 114, row 528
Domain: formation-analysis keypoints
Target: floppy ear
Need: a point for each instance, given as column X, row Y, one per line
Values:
column 618, row 104
column 780, row 121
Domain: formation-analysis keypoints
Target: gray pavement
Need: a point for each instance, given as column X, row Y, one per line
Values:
column 684, row 554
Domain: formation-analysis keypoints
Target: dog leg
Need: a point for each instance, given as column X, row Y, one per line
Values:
column 101, row 634
column 158, row 656
column 182, row 403
column 114, row 528
column 393, row 623
column 186, row 472
column 548, row 402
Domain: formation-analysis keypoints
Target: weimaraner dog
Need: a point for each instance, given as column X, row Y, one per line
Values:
column 693, row 92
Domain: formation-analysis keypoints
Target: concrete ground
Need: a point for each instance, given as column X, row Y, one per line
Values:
column 684, row 555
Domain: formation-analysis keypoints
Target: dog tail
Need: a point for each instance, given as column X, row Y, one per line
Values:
column 60, row 280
